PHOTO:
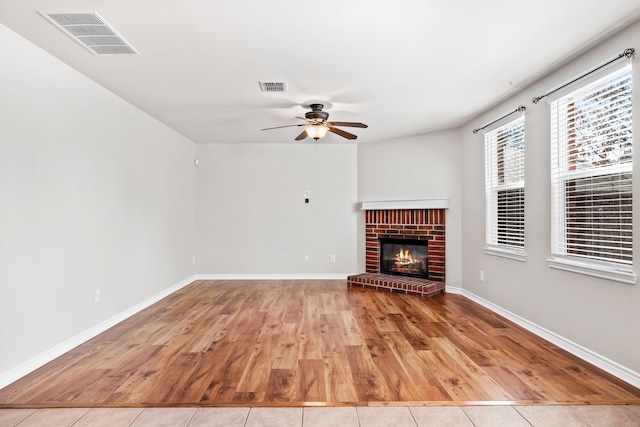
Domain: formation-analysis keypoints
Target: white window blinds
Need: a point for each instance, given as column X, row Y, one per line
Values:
column 504, row 187
column 591, row 172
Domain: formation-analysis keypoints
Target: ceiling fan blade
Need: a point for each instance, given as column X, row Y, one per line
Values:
column 342, row 133
column 302, row 136
column 280, row 127
column 348, row 124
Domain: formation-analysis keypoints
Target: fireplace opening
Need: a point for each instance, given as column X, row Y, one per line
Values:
column 404, row 257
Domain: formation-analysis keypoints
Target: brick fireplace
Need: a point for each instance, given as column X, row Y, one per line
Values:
column 404, row 224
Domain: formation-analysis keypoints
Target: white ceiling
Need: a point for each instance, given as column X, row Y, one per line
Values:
column 404, row 67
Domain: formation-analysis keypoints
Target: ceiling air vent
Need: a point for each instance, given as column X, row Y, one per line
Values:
column 91, row 31
column 273, row 86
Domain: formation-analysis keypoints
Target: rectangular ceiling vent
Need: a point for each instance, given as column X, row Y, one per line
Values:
column 273, row 86
column 91, row 31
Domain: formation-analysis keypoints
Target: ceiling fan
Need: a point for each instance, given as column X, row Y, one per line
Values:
column 317, row 125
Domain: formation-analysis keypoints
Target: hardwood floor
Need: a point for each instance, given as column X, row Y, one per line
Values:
column 305, row 343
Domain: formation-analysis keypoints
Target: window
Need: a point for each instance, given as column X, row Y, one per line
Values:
column 504, row 191
column 591, row 178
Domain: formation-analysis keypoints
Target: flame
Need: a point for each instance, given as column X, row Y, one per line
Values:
column 404, row 257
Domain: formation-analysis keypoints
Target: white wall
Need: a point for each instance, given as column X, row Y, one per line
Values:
column 252, row 219
column 93, row 194
column 420, row 167
column 600, row 315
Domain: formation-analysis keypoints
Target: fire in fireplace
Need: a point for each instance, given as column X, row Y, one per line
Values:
column 404, row 257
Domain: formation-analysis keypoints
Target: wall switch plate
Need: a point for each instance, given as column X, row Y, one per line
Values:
column 333, row 258
column 306, row 258
column 481, row 276
column 96, row 295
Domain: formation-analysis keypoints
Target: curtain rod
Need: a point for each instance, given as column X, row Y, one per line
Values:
column 520, row 108
column 628, row 53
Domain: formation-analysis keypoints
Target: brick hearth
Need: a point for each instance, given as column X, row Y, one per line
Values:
column 408, row 285
column 421, row 224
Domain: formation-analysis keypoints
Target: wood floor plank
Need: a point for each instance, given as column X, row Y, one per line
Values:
column 350, row 329
column 281, row 386
column 310, row 340
column 287, row 351
column 286, row 342
column 417, row 368
column 259, row 364
column 338, row 378
column 311, row 381
column 401, row 386
column 367, row 378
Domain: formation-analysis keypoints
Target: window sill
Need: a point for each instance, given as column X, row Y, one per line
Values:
column 604, row 271
column 518, row 255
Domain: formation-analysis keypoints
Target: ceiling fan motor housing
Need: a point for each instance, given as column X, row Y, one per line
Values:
column 316, row 113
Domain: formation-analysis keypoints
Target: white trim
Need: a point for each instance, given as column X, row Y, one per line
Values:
column 453, row 290
column 272, row 276
column 613, row 368
column 34, row 363
column 518, row 255
column 405, row 204
column 593, row 269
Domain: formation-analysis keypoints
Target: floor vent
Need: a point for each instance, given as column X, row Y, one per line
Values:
column 91, row 31
column 273, row 86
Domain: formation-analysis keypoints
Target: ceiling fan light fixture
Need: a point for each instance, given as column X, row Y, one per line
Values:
column 316, row 131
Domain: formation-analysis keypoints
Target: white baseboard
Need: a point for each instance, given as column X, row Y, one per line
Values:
column 34, row 363
column 453, row 290
column 272, row 276
column 613, row 368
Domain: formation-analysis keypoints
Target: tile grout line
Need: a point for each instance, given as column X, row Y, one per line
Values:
column 468, row 417
column 190, row 419
column 246, row 420
column 523, row 416
column 413, row 416
column 27, row 417
column 83, row 415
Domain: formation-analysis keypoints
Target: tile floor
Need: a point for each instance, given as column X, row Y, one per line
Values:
column 401, row 416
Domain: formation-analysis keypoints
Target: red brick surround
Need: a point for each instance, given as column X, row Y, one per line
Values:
column 421, row 224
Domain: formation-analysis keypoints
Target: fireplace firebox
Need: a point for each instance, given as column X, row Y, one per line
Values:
column 404, row 257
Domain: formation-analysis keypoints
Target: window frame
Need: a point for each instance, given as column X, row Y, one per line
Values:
column 562, row 175
column 493, row 187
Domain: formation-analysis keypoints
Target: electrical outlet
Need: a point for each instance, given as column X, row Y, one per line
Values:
column 96, row 295
column 333, row 258
column 306, row 258
column 481, row 276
